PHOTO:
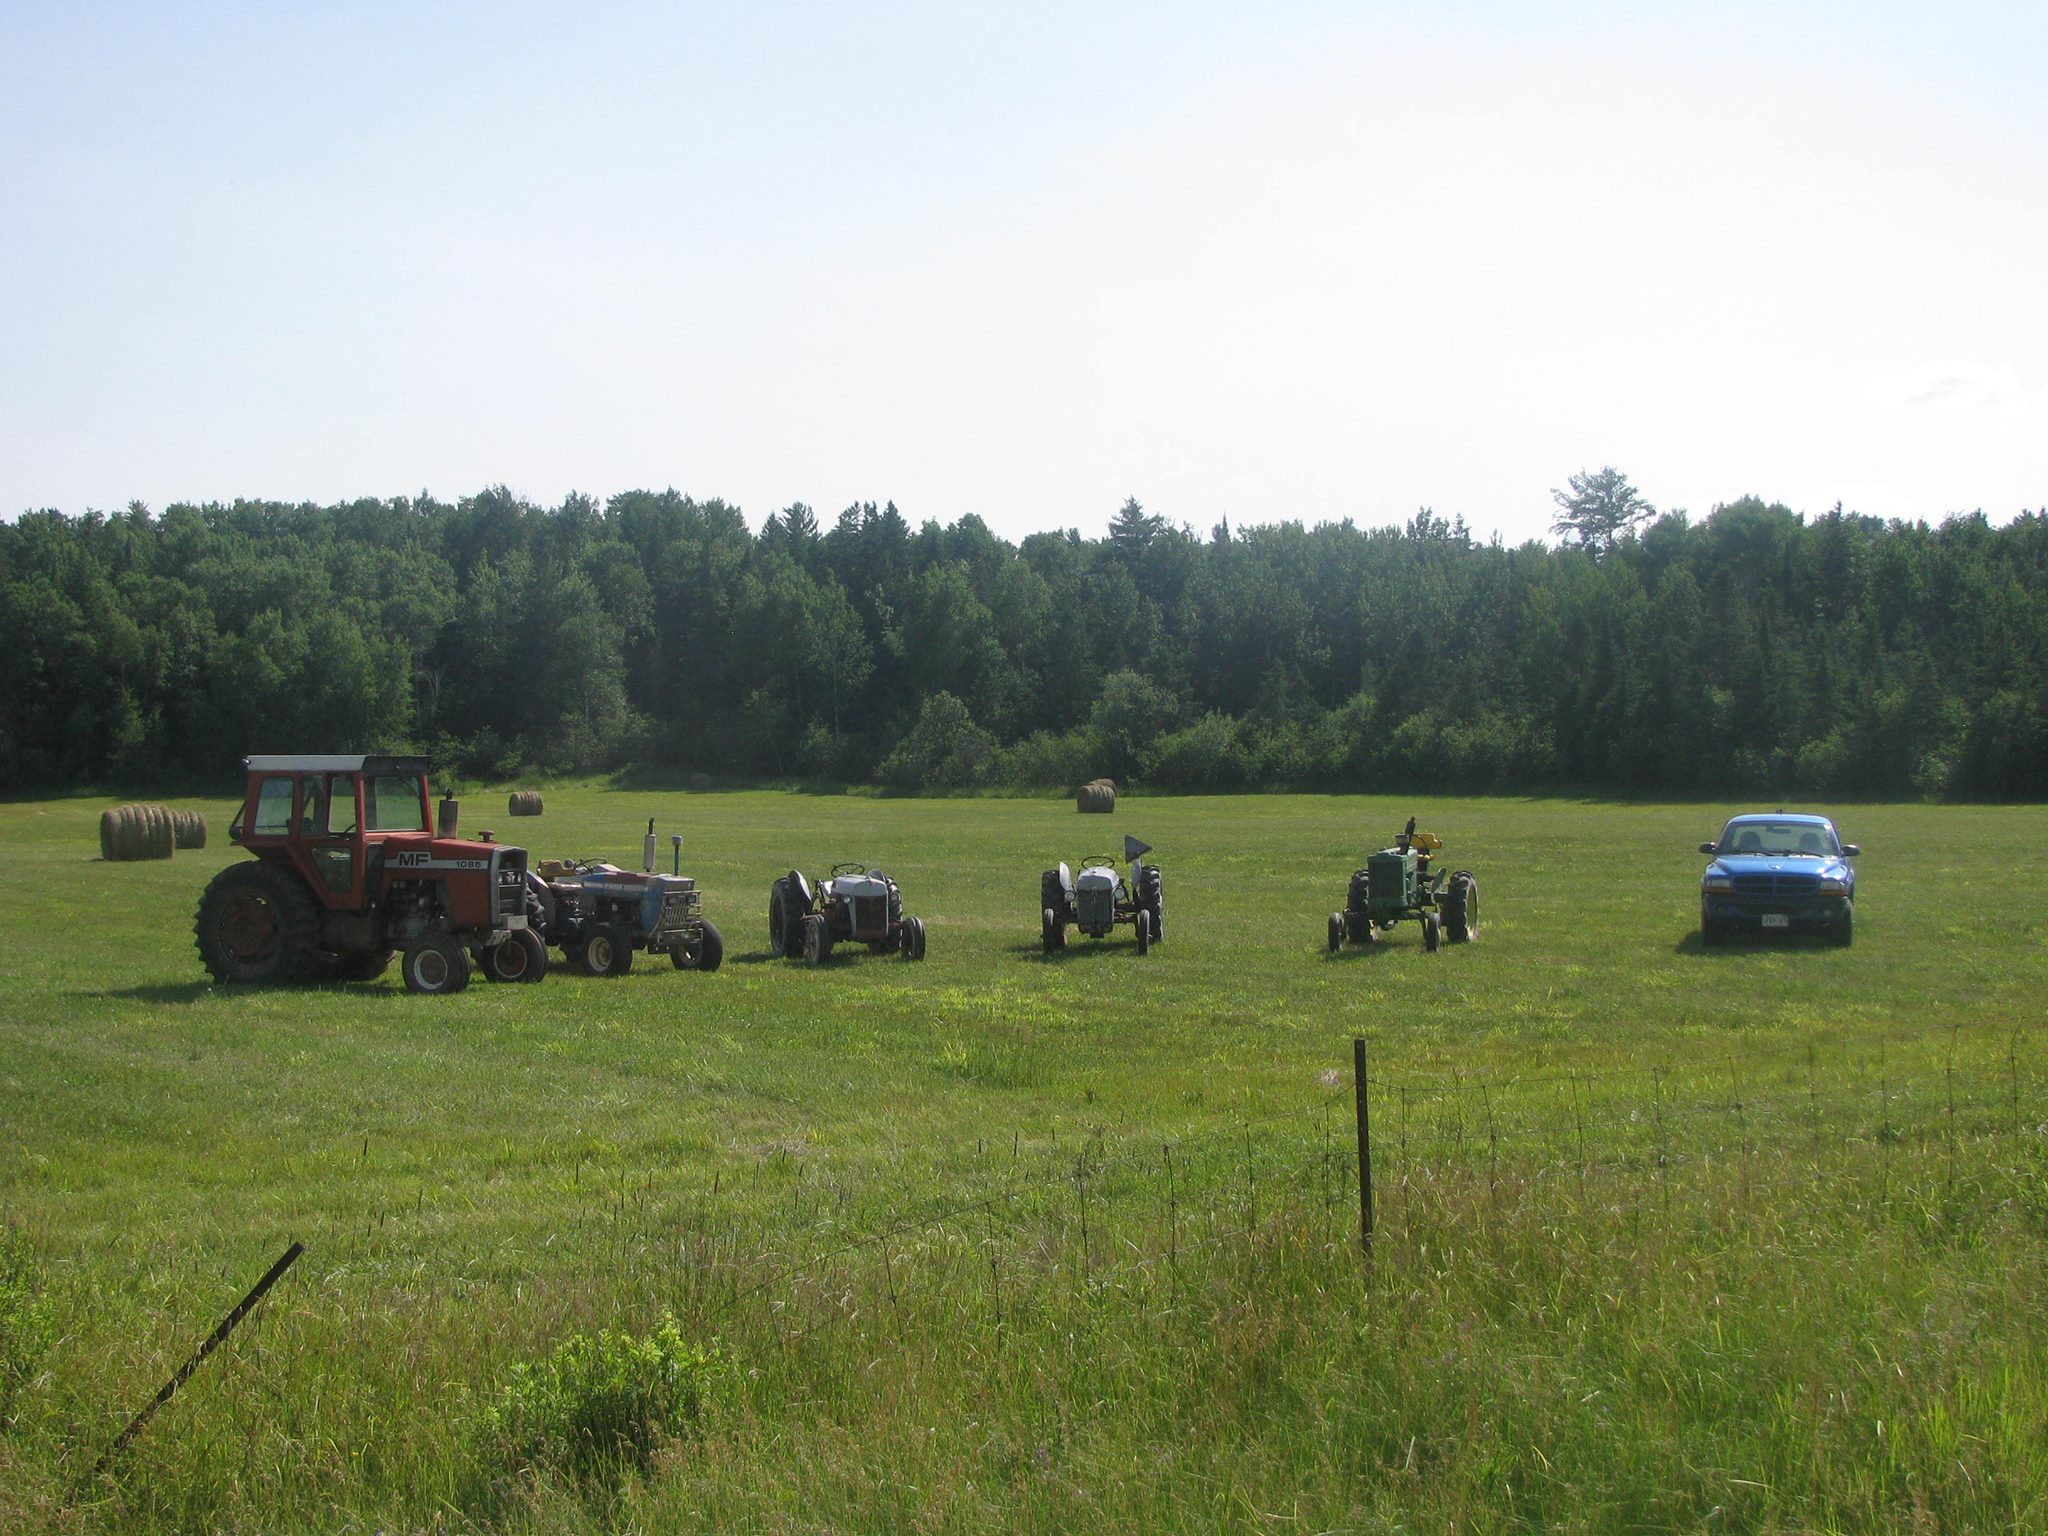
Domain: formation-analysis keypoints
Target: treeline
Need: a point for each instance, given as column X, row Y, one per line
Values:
column 1752, row 652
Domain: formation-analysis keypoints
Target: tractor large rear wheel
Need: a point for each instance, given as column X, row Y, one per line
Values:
column 257, row 923
column 1461, row 909
column 779, row 935
column 1152, row 896
column 605, row 952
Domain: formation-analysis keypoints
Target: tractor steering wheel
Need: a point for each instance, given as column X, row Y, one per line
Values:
column 1098, row 862
column 848, row 869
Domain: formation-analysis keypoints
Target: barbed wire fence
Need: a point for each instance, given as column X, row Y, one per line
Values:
column 1367, row 1158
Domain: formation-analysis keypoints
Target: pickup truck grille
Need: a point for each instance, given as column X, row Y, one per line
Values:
column 1777, row 885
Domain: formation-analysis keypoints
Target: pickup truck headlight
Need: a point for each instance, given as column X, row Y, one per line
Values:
column 1715, row 881
column 1833, row 885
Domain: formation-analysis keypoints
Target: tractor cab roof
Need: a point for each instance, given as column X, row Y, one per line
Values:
column 357, row 762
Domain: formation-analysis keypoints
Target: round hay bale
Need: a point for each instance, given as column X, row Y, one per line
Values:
column 524, row 802
column 131, row 832
column 1095, row 799
column 188, row 829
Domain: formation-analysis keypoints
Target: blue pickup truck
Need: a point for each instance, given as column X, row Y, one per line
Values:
column 1778, row 872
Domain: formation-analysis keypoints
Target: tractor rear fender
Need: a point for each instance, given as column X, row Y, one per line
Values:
column 802, row 887
column 1066, row 880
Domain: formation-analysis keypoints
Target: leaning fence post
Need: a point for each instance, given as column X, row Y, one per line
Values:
column 1364, row 1145
column 225, row 1327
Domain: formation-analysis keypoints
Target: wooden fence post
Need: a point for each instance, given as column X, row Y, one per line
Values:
column 1364, row 1145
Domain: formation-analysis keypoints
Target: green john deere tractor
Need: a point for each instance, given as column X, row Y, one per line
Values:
column 1397, row 883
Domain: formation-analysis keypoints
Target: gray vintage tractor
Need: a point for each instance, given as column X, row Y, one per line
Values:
column 1099, row 899
column 855, row 904
column 1397, row 884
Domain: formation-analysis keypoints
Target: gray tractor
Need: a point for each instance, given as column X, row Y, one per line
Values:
column 1099, row 899
column 854, row 904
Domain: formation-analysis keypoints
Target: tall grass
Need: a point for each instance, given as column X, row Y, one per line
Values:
column 1743, row 1239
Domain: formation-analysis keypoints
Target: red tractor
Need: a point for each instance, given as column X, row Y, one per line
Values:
column 347, row 870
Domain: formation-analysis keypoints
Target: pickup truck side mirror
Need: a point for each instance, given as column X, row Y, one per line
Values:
column 1850, row 850
column 1707, row 848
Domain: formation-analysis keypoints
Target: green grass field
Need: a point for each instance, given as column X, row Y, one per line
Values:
column 1669, row 1238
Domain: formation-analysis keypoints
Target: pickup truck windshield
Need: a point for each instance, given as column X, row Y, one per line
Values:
column 1779, row 840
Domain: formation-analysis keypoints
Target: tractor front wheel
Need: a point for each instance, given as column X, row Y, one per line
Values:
column 1144, row 927
column 705, row 955
column 520, row 957
column 435, row 965
column 1336, row 932
column 912, row 940
column 257, row 923
column 817, row 940
column 1432, row 933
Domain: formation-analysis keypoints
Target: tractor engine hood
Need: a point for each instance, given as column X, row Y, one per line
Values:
column 1098, row 879
column 849, row 887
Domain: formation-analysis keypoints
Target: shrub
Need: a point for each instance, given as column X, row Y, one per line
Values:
column 599, row 1405
column 945, row 749
column 1206, row 755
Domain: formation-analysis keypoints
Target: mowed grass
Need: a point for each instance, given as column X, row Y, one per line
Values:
column 1670, row 1238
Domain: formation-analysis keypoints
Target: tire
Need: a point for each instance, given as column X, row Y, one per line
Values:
column 1336, row 932
column 1144, row 927
column 1046, row 921
column 706, row 955
column 1152, row 896
column 1843, row 934
column 913, row 938
column 778, row 920
column 1710, row 933
column 1358, row 895
column 1052, row 896
column 604, row 952
column 257, row 923
column 520, row 957
column 435, row 965
column 817, row 940
column 1461, row 909
column 1432, row 933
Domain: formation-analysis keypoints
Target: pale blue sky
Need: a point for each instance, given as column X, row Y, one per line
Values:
column 1281, row 261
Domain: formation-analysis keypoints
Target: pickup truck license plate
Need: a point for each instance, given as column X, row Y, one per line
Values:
column 1777, row 920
